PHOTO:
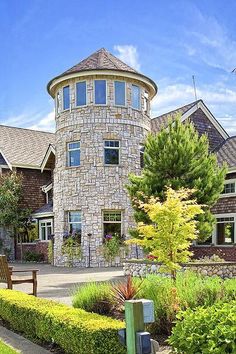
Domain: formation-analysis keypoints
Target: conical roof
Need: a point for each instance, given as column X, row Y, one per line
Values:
column 100, row 60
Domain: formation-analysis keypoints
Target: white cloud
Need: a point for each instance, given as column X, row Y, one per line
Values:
column 128, row 54
column 220, row 100
column 210, row 42
column 36, row 121
column 46, row 123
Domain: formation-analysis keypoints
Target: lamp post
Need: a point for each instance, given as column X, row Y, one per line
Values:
column 89, row 250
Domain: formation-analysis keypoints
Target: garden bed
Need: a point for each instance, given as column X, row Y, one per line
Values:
column 141, row 268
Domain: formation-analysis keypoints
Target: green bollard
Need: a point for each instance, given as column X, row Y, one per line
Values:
column 134, row 323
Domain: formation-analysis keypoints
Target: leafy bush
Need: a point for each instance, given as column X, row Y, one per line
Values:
column 30, row 256
column 93, row 297
column 206, row 330
column 74, row 330
column 209, row 259
column 6, row 349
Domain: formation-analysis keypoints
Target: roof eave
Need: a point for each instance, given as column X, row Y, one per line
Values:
column 58, row 79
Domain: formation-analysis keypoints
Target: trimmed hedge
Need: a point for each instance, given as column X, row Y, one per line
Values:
column 208, row 330
column 74, row 330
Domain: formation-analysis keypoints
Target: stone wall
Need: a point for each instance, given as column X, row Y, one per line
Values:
column 142, row 269
column 93, row 187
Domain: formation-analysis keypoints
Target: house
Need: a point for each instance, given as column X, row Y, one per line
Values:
column 102, row 114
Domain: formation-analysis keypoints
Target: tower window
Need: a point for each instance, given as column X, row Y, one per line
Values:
column 119, row 93
column 81, row 93
column 66, row 97
column 111, row 152
column 73, row 151
column 141, row 151
column 135, row 97
column 100, row 91
column 74, row 221
column 112, row 223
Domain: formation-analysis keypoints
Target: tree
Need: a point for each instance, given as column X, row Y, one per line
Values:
column 172, row 228
column 12, row 215
column 179, row 158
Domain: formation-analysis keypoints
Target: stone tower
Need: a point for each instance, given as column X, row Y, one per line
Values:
column 102, row 118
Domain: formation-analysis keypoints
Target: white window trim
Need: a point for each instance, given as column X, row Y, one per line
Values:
column 40, row 230
column 140, row 95
column 69, row 222
column 112, row 148
column 100, row 104
column 68, row 152
column 227, row 181
column 86, row 96
column 112, row 222
column 120, row 105
column 228, row 215
column 67, row 109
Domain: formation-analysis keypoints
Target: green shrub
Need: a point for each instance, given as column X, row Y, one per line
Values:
column 31, row 256
column 6, row 349
column 206, row 330
column 74, row 330
column 93, row 297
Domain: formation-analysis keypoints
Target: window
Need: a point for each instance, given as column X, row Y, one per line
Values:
column 225, row 230
column 74, row 221
column 73, row 154
column 146, row 102
column 81, row 93
column 58, row 102
column 100, row 92
column 135, row 97
column 119, row 93
column 112, row 223
column 141, row 151
column 111, row 152
column 66, row 97
column 45, row 229
column 229, row 188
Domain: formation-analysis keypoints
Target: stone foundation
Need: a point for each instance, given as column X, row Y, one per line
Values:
column 143, row 268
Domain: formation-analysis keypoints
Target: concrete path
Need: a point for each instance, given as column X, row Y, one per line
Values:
column 58, row 283
column 19, row 343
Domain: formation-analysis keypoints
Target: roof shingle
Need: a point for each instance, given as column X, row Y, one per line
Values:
column 226, row 152
column 24, row 146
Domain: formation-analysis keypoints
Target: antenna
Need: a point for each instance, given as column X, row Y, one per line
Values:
column 194, row 88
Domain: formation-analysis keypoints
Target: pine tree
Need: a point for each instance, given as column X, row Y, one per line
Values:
column 178, row 157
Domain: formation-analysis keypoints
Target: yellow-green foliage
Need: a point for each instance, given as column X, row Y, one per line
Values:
column 74, row 330
column 6, row 349
column 173, row 228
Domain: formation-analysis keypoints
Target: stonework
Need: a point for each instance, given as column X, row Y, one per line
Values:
column 94, row 187
column 225, row 270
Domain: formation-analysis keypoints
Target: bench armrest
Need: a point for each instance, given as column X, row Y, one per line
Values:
column 24, row 270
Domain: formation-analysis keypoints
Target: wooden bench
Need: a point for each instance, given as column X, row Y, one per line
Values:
column 6, row 273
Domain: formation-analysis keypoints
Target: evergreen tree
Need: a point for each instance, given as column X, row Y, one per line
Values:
column 178, row 157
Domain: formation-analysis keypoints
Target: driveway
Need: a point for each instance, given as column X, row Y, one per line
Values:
column 58, row 283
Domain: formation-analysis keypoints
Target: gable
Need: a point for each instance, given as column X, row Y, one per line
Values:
column 2, row 160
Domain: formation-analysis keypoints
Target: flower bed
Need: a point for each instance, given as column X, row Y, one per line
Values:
column 140, row 268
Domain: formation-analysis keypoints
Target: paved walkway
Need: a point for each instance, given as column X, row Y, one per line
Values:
column 19, row 343
column 58, row 283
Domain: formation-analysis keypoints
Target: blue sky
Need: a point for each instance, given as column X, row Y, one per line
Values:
column 167, row 40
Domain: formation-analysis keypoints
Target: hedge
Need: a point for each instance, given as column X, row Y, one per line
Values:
column 207, row 330
column 74, row 330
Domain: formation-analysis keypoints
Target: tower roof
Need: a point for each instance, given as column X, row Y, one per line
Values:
column 101, row 60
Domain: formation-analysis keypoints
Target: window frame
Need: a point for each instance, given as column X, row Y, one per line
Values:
column 114, row 88
column 77, row 82
column 140, row 103
column 111, row 148
column 46, row 233
column 68, row 153
column 94, row 93
column 229, row 181
column 112, row 222
column 78, row 222
column 141, row 153
column 66, row 109
column 214, row 234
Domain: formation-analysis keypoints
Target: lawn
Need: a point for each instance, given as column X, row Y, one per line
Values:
column 5, row 349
